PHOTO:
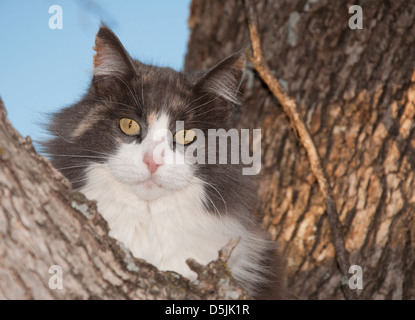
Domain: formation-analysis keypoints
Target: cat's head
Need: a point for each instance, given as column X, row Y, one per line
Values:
column 119, row 121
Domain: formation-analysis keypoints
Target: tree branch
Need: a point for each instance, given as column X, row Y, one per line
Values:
column 290, row 108
column 44, row 223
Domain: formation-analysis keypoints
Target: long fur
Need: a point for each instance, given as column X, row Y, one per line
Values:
column 182, row 210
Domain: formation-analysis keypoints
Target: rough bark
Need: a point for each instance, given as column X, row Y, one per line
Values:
column 43, row 223
column 355, row 90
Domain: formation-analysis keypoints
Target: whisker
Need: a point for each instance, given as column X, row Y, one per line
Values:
column 78, row 180
column 123, row 104
column 193, row 101
column 135, row 99
column 74, row 167
column 206, row 112
column 90, row 150
column 58, row 135
column 76, row 156
column 210, row 185
column 123, row 82
column 142, row 90
column 205, row 122
column 215, row 208
column 199, row 106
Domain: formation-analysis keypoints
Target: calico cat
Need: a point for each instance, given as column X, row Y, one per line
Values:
column 163, row 212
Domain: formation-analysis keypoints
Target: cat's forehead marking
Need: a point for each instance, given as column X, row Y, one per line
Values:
column 175, row 102
column 152, row 117
column 92, row 117
column 160, row 122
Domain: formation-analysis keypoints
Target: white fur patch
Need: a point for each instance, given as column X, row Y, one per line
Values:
column 164, row 220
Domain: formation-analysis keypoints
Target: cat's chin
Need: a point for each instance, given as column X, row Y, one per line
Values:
column 150, row 190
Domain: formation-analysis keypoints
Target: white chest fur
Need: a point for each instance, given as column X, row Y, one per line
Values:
column 169, row 230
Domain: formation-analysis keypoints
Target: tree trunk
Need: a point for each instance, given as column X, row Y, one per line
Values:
column 356, row 93
column 54, row 244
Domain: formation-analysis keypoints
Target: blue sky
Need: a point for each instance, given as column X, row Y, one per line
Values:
column 43, row 69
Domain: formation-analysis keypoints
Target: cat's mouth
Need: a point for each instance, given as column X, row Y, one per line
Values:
column 151, row 184
column 152, row 188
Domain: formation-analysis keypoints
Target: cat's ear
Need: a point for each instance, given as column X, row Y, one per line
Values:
column 112, row 63
column 225, row 78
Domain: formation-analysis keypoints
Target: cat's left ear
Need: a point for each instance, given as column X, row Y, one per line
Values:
column 225, row 78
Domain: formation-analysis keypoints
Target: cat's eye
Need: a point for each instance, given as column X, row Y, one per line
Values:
column 129, row 127
column 184, row 136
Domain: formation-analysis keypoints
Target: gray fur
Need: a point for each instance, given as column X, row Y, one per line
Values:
column 88, row 132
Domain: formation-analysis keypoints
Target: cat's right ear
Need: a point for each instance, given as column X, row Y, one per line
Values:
column 224, row 79
column 112, row 63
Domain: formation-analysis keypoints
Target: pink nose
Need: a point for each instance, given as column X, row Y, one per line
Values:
column 150, row 162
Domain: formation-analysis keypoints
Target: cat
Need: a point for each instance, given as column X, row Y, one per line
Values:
column 163, row 213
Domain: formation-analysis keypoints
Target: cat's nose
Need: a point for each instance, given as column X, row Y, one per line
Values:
column 152, row 165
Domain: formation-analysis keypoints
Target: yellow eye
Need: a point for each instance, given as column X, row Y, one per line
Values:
column 129, row 127
column 184, row 136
